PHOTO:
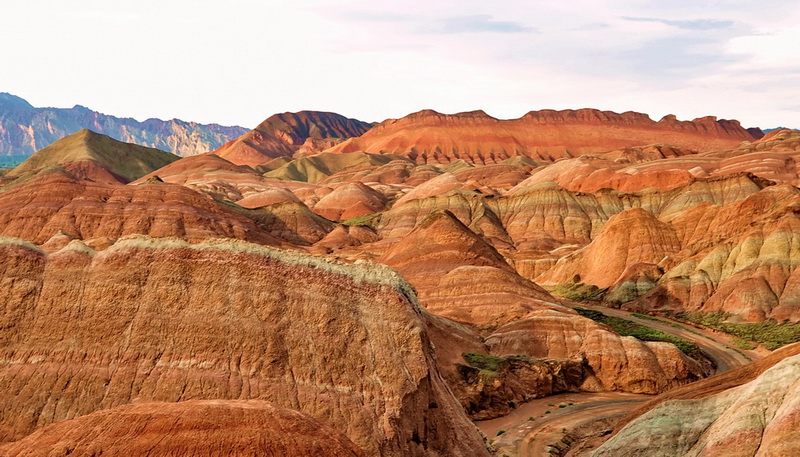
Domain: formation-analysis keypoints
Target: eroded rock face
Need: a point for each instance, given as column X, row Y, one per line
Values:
column 629, row 237
column 758, row 418
column 161, row 320
column 196, row 428
column 739, row 258
column 614, row 362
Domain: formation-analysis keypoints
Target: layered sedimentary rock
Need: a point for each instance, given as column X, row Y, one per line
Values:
column 431, row 137
column 318, row 167
column 772, row 157
column 57, row 202
column 25, row 129
column 628, row 238
column 198, row 428
column 90, row 155
column 281, row 135
column 735, row 414
column 219, row 178
column 739, row 258
column 460, row 276
column 615, row 362
column 161, row 320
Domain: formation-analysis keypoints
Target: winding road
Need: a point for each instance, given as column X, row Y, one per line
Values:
column 531, row 431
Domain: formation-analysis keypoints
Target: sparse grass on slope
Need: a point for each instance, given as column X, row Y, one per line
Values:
column 489, row 365
column 627, row 327
column 127, row 160
column 769, row 333
column 361, row 220
column 578, row 292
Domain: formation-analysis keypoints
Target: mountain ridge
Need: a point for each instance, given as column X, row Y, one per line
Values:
column 25, row 129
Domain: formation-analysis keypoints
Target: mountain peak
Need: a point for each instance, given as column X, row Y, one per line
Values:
column 9, row 101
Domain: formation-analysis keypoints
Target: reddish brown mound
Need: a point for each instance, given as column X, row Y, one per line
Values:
column 219, row 178
column 431, row 137
column 629, row 237
column 161, row 320
column 187, row 168
column 57, row 202
column 281, row 135
column 350, row 200
column 437, row 245
column 200, row 428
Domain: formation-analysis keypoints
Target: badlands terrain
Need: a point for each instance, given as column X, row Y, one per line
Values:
column 567, row 283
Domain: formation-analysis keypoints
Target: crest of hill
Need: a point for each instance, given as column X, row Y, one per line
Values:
column 125, row 161
column 281, row 135
column 431, row 137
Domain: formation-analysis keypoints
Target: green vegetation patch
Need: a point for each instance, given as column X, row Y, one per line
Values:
column 490, row 366
column 361, row 220
column 579, row 292
column 770, row 333
column 626, row 327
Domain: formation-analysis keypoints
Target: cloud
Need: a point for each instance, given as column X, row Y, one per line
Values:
column 477, row 23
column 696, row 24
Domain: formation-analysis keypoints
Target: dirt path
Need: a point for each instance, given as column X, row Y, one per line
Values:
column 529, row 431
column 717, row 345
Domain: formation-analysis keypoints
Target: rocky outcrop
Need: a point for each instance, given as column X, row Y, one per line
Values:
column 734, row 414
column 25, row 129
column 431, row 137
column 162, row 320
column 197, row 428
column 461, row 277
column 739, row 258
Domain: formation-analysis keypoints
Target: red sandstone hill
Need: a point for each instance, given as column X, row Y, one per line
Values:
column 431, row 137
column 282, row 135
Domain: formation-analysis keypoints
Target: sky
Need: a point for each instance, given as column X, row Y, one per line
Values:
column 237, row 62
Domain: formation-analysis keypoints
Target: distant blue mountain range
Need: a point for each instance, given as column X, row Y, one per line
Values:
column 25, row 129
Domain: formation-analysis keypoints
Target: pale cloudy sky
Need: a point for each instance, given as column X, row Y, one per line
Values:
column 238, row 61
